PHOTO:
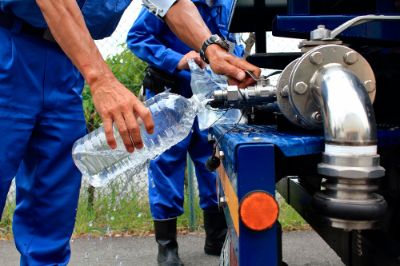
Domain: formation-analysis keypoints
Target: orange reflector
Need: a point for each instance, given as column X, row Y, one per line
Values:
column 258, row 210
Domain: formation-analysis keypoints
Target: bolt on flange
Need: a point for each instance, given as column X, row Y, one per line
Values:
column 300, row 87
column 350, row 57
column 370, row 85
column 316, row 58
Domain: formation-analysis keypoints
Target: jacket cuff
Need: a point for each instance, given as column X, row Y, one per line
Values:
column 171, row 61
column 158, row 7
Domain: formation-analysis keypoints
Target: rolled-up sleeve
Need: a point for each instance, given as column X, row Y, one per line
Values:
column 143, row 41
column 158, row 7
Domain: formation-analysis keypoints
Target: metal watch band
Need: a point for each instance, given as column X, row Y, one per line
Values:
column 213, row 39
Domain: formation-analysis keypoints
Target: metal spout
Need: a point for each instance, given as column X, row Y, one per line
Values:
column 350, row 162
column 346, row 107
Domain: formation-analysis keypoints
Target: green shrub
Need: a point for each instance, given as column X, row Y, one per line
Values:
column 128, row 69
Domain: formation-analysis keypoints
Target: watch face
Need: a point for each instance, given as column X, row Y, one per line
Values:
column 215, row 38
column 218, row 40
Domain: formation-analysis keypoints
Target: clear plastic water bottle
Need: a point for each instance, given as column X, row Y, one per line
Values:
column 173, row 117
column 203, row 83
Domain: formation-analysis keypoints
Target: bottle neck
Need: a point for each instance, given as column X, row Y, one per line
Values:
column 197, row 104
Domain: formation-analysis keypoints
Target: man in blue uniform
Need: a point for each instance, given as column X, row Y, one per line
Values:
column 152, row 41
column 46, row 52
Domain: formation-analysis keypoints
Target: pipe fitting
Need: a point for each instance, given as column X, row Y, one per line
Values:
column 333, row 87
column 350, row 163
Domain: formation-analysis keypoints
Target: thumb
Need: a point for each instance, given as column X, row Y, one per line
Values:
column 232, row 71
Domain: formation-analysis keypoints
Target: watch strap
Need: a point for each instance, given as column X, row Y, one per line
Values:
column 213, row 39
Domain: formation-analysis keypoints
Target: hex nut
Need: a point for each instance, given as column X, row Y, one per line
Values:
column 350, row 172
column 232, row 93
column 350, row 57
column 285, row 91
column 370, row 85
column 320, row 33
column 316, row 58
column 300, row 87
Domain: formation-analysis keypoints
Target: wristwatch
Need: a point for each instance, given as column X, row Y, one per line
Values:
column 213, row 39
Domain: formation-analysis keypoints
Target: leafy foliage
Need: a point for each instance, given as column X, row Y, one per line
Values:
column 128, row 69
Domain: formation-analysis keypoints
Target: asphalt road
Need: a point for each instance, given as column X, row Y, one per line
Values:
column 299, row 248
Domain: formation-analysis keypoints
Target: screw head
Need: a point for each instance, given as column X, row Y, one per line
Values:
column 370, row 85
column 316, row 58
column 316, row 116
column 285, row 91
column 350, row 57
column 300, row 87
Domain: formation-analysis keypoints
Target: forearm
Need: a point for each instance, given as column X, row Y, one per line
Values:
column 185, row 21
column 68, row 28
column 113, row 101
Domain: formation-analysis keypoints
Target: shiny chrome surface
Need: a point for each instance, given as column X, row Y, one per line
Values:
column 345, row 106
column 302, row 98
column 250, row 96
column 349, row 121
column 349, row 225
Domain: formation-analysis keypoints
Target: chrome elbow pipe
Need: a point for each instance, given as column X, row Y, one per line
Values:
column 347, row 111
column 350, row 162
column 332, row 87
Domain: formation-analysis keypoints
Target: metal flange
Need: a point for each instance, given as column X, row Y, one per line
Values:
column 301, row 93
column 282, row 94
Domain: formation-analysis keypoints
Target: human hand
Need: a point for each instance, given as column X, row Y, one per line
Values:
column 183, row 63
column 224, row 63
column 115, row 103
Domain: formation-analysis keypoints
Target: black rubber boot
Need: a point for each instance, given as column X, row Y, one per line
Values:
column 167, row 245
column 215, row 227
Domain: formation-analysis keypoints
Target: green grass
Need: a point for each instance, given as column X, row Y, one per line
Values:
column 290, row 220
column 113, row 215
column 6, row 221
column 126, row 215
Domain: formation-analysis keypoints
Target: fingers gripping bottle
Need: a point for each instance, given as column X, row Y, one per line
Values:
column 173, row 116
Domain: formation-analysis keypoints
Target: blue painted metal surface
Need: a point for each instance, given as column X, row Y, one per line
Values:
column 249, row 161
column 389, row 137
column 250, row 167
column 256, row 171
column 304, row 16
column 289, row 143
column 300, row 26
column 298, row 7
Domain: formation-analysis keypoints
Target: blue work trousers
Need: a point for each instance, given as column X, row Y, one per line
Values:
column 167, row 174
column 40, row 118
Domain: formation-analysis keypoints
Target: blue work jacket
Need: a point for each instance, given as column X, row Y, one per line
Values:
column 151, row 40
column 101, row 16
